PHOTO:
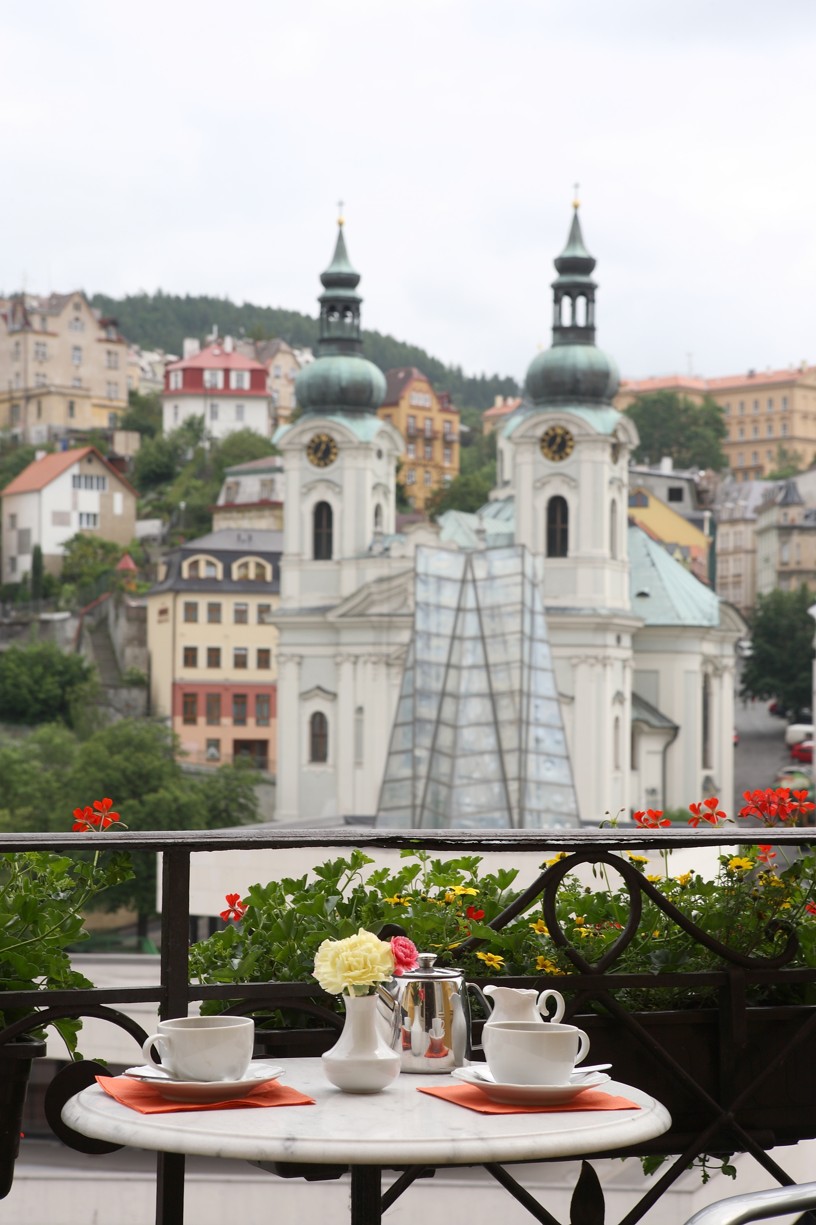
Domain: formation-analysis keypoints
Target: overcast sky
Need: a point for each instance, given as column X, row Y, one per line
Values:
column 202, row 147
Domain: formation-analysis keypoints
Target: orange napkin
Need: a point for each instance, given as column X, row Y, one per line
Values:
column 474, row 1099
column 142, row 1096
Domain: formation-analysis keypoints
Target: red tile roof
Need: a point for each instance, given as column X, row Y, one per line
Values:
column 398, row 379
column 41, row 472
column 728, row 382
column 216, row 357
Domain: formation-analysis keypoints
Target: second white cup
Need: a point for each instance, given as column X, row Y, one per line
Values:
column 528, row 1053
column 202, row 1048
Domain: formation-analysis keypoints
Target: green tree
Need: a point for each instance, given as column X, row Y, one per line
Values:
column 156, row 463
column 88, row 558
column 39, row 683
column 467, row 492
column 14, row 459
column 144, row 413
column 672, row 425
column 788, row 463
column 782, row 640
column 36, row 573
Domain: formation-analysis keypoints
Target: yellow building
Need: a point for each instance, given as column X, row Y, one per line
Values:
column 213, row 648
column 685, row 542
column 768, row 415
column 430, row 426
column 63, row 367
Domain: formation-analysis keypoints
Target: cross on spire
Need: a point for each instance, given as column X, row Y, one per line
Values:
column 340, row 217
column 576, row 202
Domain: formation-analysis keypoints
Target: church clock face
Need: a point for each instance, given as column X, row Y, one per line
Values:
column 321, row 450
column 557, row 443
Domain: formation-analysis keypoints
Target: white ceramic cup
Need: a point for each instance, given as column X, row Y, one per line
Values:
column 529, row 1053
column 202, row 1048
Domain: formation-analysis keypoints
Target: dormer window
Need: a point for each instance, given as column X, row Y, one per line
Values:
column 214, row 379
column 239, row 380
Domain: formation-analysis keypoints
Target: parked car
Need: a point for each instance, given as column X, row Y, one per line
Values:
column 795, row 733
column 802, row 751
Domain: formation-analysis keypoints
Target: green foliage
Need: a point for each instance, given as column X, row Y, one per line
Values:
column 672, row 425
column 144, row 414
column 42, row 900
column 787, row 463
column 782, row 639
column 446, row 907
column 40, row 683
column 89, row 558
column 14, row 459
column 462, row 493
column 161, row 321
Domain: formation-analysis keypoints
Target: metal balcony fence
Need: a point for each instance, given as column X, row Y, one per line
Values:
column 720, row 1089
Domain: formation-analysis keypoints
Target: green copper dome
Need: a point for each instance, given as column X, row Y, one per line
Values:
column 340, row 379
column 574, row 369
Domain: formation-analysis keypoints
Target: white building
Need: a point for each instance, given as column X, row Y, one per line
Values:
column 223, row 387
column 643, row 653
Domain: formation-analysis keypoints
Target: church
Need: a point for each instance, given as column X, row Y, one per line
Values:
column 643, row 654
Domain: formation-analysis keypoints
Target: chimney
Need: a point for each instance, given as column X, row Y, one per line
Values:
column 667, row 464
column 229, row 344
column 191, row 347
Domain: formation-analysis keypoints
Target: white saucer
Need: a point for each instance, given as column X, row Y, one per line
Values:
column 258, row 1073
column 528, row 1095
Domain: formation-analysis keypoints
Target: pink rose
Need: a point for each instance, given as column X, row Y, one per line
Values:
column 404, row 953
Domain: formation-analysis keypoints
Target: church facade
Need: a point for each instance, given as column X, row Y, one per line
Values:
column 643, row 653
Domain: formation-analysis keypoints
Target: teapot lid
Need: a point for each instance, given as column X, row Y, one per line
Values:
column 428, row 969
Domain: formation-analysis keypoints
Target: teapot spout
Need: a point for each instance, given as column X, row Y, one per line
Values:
column 387, row 996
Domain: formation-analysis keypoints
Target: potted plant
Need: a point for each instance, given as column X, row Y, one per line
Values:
column 43, row 897
column 685, row 981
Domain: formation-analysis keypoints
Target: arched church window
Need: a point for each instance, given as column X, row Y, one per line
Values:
column 567, row 309
column 557, row 527
column 323, row 531
column 616, row 744
column 706, row 723
column 378, row 518
column 318, row 738
column 613, row 530
column 580, row 311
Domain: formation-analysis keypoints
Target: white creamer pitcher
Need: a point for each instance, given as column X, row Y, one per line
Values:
column 519, row 1004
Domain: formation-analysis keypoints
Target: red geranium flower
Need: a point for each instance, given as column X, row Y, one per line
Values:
column 650, row 819
column 99, row 817
column 473, row 913
column 707, row 810
column 236, row 909
column 766, row 853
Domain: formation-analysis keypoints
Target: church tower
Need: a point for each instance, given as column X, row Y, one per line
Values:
column 339, row 457
column 567, row 450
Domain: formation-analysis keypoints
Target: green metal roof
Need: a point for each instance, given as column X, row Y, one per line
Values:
column 603, row 419
column 662, row 591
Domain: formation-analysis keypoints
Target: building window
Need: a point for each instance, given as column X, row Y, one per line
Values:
column 412, row 450
column 784, row 404
column 240, row 614
column 557, row 527
column 428, row 477
column 756, row 406
column 214, row 709
column 613, row 530
column 322, row 542
column 175, row 380
column 213, row 750
column 213, row 412
column 742, row 407
column 378, row 518
column 239, row 412
column 240, row 657
column 239, row 380
column 13, row 522
column 76, row 355
column 675, row 493
column 189, row 708
column 410, row 477
column 40, row 351
column 428, row 427
column 214, row 614
column 191, row 657
column 770, row 404
column 264, row 614
column 359, row 728
column 755, row 457
column 111, row 359
column 113, row 391
column 446, row 455
column 239, row 709
column 213, row 657
column 412, row 425
column 769, row 429
column 71, row 408
column 190, row 611
column 214, row 378
column 740, row 459
column 88, row 519
column 264, row 658
column 428, row 450
column 784, row 429
column 262, row 707
column 318, row 738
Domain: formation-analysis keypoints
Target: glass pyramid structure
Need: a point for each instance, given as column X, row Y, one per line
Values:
column 478, row 740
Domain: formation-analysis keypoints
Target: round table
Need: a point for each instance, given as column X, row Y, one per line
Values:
column 398, row 1127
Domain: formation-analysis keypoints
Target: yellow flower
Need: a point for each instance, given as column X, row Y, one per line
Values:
column 540, row 928
column 579, row 920
column 547, row 966
column 358, row 961
column 459, row 890
column 739, row 863
column 555, row 859
column 396, row 900
column 684, row 878
column 636, row 858
column 655, row 878
column 491, row 960
column 583, row 932
column 656, row 935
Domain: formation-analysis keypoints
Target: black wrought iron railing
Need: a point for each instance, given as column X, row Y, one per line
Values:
column 736, row 1077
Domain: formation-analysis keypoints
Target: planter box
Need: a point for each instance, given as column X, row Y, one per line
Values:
column 775, row 1105
column 15, row 1068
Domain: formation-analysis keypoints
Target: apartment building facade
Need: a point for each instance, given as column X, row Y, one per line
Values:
column 251, row 496
column 282, row 367
column 63, row 367
column 213, row 648
column 225, row 388
column 429, row 424
column 769, row 415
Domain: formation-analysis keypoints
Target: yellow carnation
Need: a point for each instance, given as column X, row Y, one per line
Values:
column 354, row 965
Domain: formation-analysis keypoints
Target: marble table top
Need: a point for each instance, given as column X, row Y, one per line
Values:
column 397, row 1126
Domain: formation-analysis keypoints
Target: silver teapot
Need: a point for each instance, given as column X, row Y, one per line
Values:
column 427, row 1014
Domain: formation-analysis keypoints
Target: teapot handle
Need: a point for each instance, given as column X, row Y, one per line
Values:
column 488, row 1007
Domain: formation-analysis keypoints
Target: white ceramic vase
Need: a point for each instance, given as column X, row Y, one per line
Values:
column 361, row 1061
